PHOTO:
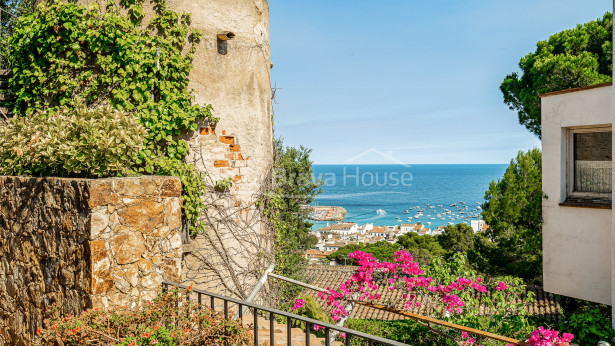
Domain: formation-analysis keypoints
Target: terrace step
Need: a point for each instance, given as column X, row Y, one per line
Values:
column 297, row 335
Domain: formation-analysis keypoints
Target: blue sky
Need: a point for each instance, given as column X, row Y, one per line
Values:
column 414, row 80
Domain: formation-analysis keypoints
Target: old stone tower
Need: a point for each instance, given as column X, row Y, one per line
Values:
column 232, row 73
column 232, row 70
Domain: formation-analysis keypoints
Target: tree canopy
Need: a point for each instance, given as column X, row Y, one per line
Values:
column 513, row 211
column 422, row 247
column 382, row 251
column 294, row 187
column 457, row 238
column 572, row 58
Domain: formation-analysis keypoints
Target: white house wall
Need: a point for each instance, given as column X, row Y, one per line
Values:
column 577, row 246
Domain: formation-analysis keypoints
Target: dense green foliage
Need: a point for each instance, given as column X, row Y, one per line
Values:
column 512, row 319
column 294, row 188
column 572, row 58
column 423, row 248
column 10, row 11
column 589, row 327
column 64, row 52
column 90, row 143
column 457, row 238
column 382, row 250
column 513, row 211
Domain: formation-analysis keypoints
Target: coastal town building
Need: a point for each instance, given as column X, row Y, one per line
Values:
column 438, row 231
column 378, row 231
column 316, row 256
column 336, row 245
column 365, row 228
column 406, row 227
column 345, row 228
column 577, row 165
column 424, row 231
column 478, row 225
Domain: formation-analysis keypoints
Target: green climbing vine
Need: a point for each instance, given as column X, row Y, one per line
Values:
column 64, row 54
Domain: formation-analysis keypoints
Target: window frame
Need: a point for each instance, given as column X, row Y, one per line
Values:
column 570, row 193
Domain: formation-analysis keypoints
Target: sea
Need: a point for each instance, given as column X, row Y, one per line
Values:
column 388, row 195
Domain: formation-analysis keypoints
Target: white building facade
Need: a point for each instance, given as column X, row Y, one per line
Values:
column 578, row 250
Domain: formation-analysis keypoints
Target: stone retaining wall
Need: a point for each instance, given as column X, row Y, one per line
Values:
column 81, row 243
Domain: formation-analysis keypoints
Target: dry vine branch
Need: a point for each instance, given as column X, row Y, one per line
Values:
column 237, row 244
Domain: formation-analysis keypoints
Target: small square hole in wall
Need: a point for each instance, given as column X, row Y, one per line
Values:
column 223, row 39
column 222, row 47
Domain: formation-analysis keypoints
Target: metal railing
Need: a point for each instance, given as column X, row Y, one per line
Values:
column 203, row 296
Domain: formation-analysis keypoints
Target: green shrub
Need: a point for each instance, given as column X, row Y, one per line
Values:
column 170, row 319
column 589, row 327
column 110, row 52
column 311, row 309
column 88, row 143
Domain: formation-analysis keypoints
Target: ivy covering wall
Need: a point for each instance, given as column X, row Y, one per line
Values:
column 65, row 54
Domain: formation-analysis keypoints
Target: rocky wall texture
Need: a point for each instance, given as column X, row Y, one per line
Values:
column 80, row 243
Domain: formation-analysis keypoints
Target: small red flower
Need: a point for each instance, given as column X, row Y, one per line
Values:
column 38, row 331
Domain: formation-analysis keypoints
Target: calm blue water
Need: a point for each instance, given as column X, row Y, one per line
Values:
column 363, row 189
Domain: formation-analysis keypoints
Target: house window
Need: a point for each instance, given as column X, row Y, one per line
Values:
column 590, row 166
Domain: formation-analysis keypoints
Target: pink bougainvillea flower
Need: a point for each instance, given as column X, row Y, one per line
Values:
column 299, row 303
column 501, row 286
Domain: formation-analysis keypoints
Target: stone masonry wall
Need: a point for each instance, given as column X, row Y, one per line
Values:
column 80, row 243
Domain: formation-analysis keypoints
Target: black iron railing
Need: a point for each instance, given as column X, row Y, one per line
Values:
column 204, row 297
